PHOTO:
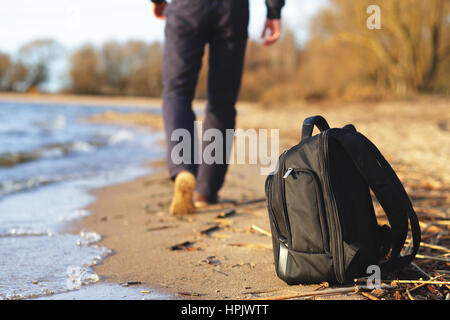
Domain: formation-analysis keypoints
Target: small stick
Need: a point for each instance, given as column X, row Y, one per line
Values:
column 421, row 270
column 221, row 272
column 442, row 222
column 182, row 246
column 421, row 285
column 322, row 286
column 131, row 283
column 256, row 228
column 442, row 271
column 262, row 291
column 430, row 211
column 158, row 228
column 247, row 202
column 311, row 294
column 409, row 294
column 421, row 282
column 190, row 294
column 251, row 245
column 426, row 195
column 226, row 214
column 433, row 246
column 209, row 230
column 369, row 296
column 420, row 256
column 431, row 227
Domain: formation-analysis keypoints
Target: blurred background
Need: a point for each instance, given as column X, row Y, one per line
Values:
column 113, row 47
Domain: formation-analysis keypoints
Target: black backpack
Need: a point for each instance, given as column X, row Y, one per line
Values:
column 322, row 218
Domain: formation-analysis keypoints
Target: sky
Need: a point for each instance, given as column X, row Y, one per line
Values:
column 74, row 23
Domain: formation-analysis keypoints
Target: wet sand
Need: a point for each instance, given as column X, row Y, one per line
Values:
column 235, row 261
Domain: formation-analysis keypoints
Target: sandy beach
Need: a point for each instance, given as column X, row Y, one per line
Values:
column 234, row 261
column 231, row 257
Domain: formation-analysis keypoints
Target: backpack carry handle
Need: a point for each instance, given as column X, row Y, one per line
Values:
column 309, row 123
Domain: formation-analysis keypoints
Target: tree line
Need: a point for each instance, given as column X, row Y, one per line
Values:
column 410, row 54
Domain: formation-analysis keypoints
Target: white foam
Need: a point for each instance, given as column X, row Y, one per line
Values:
column 57, row 123
column 79, row 276
column 52, row 152
column 75, row 214
column 23, row 232
column 81, row 146
column 88, row 238
column 120, row 136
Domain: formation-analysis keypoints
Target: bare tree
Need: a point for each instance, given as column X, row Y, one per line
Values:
column 5, row 66
column 36, row 57
column 408, row 48
column 85, row 73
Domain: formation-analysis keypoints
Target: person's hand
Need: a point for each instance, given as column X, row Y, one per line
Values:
column 271, row 32
column 158, row 10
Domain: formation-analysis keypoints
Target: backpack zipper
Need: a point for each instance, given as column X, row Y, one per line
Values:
column 288, row 172
column 271, row 215
column 283, row 202
column 335, row 228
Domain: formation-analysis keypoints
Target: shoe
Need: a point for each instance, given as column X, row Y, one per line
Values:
column 182, row 203
column 201, row 201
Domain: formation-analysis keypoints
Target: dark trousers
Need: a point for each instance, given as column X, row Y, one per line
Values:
column 190, row 26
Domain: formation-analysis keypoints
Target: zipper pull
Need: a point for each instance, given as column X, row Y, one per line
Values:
column 288, row 173
column 283, row 240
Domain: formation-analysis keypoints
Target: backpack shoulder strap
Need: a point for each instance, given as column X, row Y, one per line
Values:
column 389, row 191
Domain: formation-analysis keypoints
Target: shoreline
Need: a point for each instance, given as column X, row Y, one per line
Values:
column 82, row 100
column 92, row 100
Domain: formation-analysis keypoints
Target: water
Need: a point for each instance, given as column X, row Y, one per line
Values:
column 49, row 161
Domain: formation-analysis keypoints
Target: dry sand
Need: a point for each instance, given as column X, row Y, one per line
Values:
column 235, row 261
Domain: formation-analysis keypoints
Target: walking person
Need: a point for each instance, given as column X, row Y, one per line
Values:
column 190, row 26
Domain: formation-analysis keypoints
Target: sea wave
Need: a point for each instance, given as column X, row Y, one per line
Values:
column 23, row 232
column 11, row 159
column 11, row 187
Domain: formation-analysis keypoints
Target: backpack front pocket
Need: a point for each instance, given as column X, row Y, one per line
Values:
column 301, row 267
column 304, row 205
